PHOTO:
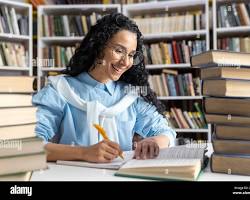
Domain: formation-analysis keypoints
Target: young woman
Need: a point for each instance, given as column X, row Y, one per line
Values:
column 105, row 83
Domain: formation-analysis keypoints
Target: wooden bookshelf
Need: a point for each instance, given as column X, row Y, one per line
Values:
column 64, row 41
column 12, row 37
column 165, row 8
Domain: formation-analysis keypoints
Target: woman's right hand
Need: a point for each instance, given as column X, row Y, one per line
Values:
column 102, row 152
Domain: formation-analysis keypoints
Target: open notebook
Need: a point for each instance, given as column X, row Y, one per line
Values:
column 180, row 162
column 115, row 164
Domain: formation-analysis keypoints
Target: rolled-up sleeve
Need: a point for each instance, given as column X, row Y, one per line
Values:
column 50, row 107
column 149, row 122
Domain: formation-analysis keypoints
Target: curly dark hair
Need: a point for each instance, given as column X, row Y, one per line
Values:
column 91, row 49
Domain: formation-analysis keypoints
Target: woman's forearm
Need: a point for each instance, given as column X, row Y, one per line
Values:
column 63, row 152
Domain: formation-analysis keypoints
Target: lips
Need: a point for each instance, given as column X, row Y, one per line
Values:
column 118, row 69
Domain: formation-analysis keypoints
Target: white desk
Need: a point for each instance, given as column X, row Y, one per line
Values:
column 71, row 173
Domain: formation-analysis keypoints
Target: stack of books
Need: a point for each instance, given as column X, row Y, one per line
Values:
column 21, row 151
column 226, row 87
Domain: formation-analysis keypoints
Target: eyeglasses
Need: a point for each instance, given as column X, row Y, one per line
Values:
column 120, row 53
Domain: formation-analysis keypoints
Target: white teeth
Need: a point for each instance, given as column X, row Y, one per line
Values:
column 117, row 69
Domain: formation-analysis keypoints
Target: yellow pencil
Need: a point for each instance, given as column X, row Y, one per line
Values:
column 104, row 135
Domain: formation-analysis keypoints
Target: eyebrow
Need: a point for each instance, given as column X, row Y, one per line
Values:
column 123, row 47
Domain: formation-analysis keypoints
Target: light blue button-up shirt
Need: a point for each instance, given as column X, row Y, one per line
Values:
column 60, row 122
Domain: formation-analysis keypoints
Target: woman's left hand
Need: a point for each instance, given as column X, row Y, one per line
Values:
column 146, row 149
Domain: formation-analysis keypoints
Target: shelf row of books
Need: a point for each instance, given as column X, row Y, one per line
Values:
column 238, row 44
column 61, row 55
column 173, row 52
column 181, row 119
column 170, row 22
column 81, row 1
column 170, row 83
column 13, row 22
column 21, row 151
column 35, row 3
column 13, row 54
column 68, row 25
column 227, row 91
column 234, row 14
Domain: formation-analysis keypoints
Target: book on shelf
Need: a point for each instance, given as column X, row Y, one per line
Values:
column 232, row 132
column 230, row 164
column 227, row 119
column 176, row 163
column 163, row 23
column 233, row 14
column 184, row 119
column 220, row 58
column 230, row 146
column 13, row 21
column 175, row 85
column 238, row 44
column 16, row 84
column 226, row 88
column 182, row 162
column 60, row 54
column 68, row 25
column 232, row 106
column 174, row 52
column 225, row 73
column 13, row 55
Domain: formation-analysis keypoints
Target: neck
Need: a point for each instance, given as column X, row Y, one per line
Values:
column 98, row 74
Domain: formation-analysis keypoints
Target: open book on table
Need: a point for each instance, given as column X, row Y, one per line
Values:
column 179, row 163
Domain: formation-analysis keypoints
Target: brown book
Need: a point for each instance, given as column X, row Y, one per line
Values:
column 182, row 118
column 170, row 71
column 15, row 100
column 17, row 132
column 230, row 164
column 227, row 119
column 232, row 132
column 174, row 113
column 16, row 84
column 222, row 146
column 225, row 72
column 226, row 87
column 17, row 116
column 233, row 106
column 220, row 58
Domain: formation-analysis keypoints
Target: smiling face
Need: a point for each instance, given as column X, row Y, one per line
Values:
column 118, row 57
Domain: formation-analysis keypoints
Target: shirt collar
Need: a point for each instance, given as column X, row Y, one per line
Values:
column 86, row 78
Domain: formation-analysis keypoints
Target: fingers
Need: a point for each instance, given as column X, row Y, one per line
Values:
column 111, row 150
column 152, row 151
column 114, row 146
column 157, row 150
column 138, row 150
column 146, row 149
